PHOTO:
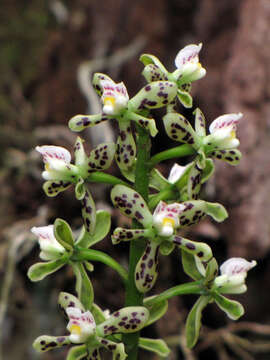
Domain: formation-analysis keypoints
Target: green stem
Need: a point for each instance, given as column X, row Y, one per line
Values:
column 95, row 255
column 183, row 289
column 103, row 178
column 165, row 194
column 178, row 151
column 133, row 296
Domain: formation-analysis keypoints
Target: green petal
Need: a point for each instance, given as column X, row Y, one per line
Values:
column 80, row 122
column 39, row 271
column 101, row 157
column 147, row 59
column 232, row 157
column 185, row 98
column 152, row 72
column 200, row 127
column 201, row 250
column 193, row 323
column 146, row 269
column 103, row 225
column 89, row 213
column 45, row 342
column 153, row 96
column 84, row 286
column 189, row 266
column 97, row 78
column 126, row 147
column 66, row 300
column 63, row 234
column 156, row 311
column 157, row 346
column 127, row 320
column 146, row 123
column 131, row 204
column 54, row 187
column 233, row 309
column 122, row 234
column 79, row 153
column 216, row 211
column 179, row 129
column 77, row 353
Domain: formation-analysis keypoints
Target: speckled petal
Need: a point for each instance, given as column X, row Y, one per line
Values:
column 195, row 181
column 148, row 124
column 121, row 234
column 146, row 269
column 199, row 249
column 126, row 147
column 179, row 129
column 230, row 156
column 101, row 157
column 78, row 353
column 127, row 320
column 154, row 95
column 131, row 204
column 147, row 59
column 97, row 79
column 200, row 127
column 80, row 122
column 66, row 300
column 89, row 212
column 79, row 153
column 54, row 187
column 118, row 350
column 152, row 72
column 45, row 342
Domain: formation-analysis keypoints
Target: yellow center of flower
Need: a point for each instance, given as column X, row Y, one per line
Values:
column 233, row 134
column 168, row 222
column 109, row 100
column 47, row 167
column 75, row 329
column 199, row 65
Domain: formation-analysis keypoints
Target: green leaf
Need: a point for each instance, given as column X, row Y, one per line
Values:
column 39, row 271
column 103, row 225
column 232, row 308
column 217, row 211
column 63, row 234
column 193, row 323
column 190, row 266
column 77, row 353
column 80, row 189
column 45, row 342
column 84, row 286
column 156, row 311
column 158, row 346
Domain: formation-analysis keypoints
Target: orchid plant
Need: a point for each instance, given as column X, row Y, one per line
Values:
column 159, row 207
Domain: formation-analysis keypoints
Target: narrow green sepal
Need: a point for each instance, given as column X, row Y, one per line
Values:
column 79, row 153
column 63, row 234
column 157, row 180
column 194, row 181
column 84, row 286
column 152, row 72
column 40, row 270
column 102, row 228
column 232, row 156
column 126, row 147
column 66, row 300
column 200, row 127
column 147, row 59
column 216, row 211
column 208, row 170
column 80, row 189
column 101, row 157
column 45, row 342
column 122, row 234
column 53, row 187
column 157, row 346
column 211, row 270
column 201, row 250
column 77, row 353
column 189, row 266
column 156, row 311
column 146, row 123
column 117, row 349
column 193, row 323
column 98, row 314
column 80, row 122
column 233, row 309
column 88, row 212
column 185, row 98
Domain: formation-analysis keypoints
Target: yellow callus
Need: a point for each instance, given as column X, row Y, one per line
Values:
column 233, row 134
column 109, row 100
column 75, row 329
column 168, row 222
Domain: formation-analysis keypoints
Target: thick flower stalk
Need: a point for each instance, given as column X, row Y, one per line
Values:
column 188, row 69
column 89, row 331
column 118, row 106
column 160, row 229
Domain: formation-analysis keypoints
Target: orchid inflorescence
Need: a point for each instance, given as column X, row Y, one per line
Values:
column 159, row 207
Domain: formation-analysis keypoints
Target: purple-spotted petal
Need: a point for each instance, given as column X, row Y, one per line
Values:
column 80, row 122
column 121, row 234
column 127, row 320
column 225, row 121
column 45, row 342
column 101, row 157
column 236, row 266
column 51, row 153
column 166, row 218
column 131, row 204
column 199, row 249
column 152, row 72
column 53, row 188
column 147, row 59
column 200, row 127
column 88, row 212
column 148, row 124
column 79, row 153
column 230, row 156
column 118, row 349
column 114, row 97
column 179, row 129
column 189, row 54
column 195, row 181
column 97, row 78
column 126, row 147
column 146, row 269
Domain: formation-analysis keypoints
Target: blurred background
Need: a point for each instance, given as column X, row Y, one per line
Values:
column 49, row 49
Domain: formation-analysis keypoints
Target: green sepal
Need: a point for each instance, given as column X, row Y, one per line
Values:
column 200, row 127
column 211, row 270
column 66, row 300
column 101, row 157
column 126, row 320
column 97, row 78
column 189, row 266
column 185, row 98
column 84, row 286
column 216, row 211
column 77, row 353
column 103, row 225
column 147, row 59
column 79, row 153
column 157, row 180
column 232, row 156
column 63, row 234
column 98, row 314
column 208, row 170
column 80, row 189
column 40, row 270
column 199, row 249
column 80, row 122
column 166, row 247
column 157, row 346
column 125, row 147
column 45, row 342
column 194, row 181
column 129, row 173
column 193, row 323
column 53, row 187
column 152, row 72
column 233, row 309
column 88, row 212
column 156, row 311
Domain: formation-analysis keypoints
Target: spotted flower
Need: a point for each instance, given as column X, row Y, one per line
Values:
column 89, row 331
column 118, row 106
column 160, row 229
column 188, row 69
